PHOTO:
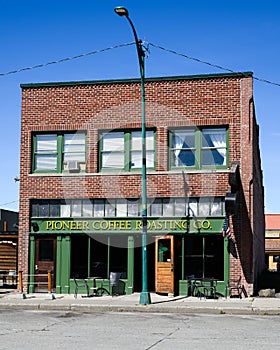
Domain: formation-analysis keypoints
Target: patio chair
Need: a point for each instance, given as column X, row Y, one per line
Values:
column 80, row 283
column 115, row 283
column 234, row 285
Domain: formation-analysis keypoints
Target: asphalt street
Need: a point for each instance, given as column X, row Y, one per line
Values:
column 44, row 330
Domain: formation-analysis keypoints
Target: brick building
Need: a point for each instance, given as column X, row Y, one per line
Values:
column 272, row 241
column 80, row 189
column 8, row 241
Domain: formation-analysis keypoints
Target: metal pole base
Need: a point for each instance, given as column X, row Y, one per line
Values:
column 145, row 298
column 50, row 296
column 21, row 295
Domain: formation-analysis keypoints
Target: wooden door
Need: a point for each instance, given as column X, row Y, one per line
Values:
column 45, row 253
column 165, row 264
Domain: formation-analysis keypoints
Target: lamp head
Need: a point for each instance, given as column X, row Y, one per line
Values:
column 121, row 11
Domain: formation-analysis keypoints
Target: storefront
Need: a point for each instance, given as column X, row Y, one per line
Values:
column 178, row 247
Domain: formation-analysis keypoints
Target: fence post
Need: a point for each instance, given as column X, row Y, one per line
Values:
column 20, row 284
column 50, row 294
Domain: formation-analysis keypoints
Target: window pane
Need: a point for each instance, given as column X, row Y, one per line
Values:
column 87, row 208
column 79, row 157
column 45, row 250
column 183, row 158
column 150, row 145
column 43, row 209
column 110, row 208
column 194, row 255
column 54, row 209
column 215, row 139
column 113, row 160
column 121, row 208
column 74, row 147
column 45, row 162
column 183, row 143
column 167, row 207
column 216, row 207
column 214, row 157
column 156, row 208
column 34, row 209
column 136, row 159
column 76, row 208
column 192, row 207
column 214, row 257
column 133, row 208
column 136, row 140
column 164, row 250
column 183, row 139
column 203, row 207
column 46, row 143
column 65, row 210
column 180, row 207
column 113, row 141
column 136, row 149
column 98, row 208
column 150, row 159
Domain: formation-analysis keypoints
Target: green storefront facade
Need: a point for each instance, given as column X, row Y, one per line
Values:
column 86, row 248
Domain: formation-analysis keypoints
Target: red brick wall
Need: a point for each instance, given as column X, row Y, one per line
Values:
column 94, row 106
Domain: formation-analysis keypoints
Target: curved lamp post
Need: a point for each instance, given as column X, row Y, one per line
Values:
column 145, row 295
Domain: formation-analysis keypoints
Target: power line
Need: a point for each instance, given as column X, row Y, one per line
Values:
column 65, row 59
column 208, row 63
column 8, row 203
column 128, row 44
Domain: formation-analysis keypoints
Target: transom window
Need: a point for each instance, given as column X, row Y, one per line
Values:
column 123, row 150
column 198, row 148
column 121, row 207
column 59, row 152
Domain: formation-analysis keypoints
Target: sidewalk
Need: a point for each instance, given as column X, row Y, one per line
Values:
column 130, row 303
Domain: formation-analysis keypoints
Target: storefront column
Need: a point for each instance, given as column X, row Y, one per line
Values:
column 130, row 265
column 58, row 264
column 65, row 264
column 31, row 288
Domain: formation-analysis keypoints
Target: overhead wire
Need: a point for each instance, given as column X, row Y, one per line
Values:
column 128, row 44
column 65, row 59
column 208, row 63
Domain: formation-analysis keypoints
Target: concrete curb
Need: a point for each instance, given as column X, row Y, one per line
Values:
column 152, row 308
column 130, row 303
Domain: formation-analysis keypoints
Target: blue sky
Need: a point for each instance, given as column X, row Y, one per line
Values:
column 238, row 35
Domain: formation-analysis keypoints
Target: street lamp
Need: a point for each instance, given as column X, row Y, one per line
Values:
column 145, row 295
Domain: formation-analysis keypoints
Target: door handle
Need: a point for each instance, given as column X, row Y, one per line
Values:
column 36, row 267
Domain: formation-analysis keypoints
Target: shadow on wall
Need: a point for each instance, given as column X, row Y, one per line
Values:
column 243, row 237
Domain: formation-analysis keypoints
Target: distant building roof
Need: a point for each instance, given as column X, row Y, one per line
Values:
column 272, row 221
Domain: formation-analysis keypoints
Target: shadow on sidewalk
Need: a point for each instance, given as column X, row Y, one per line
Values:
column 169, row 300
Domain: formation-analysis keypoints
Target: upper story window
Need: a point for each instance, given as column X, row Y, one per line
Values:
column 59, row 152
column 199, row 148
column 122, row 150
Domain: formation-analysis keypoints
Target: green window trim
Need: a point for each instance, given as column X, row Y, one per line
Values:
column 128, row 150
column 196, row 140
column 54, row 153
